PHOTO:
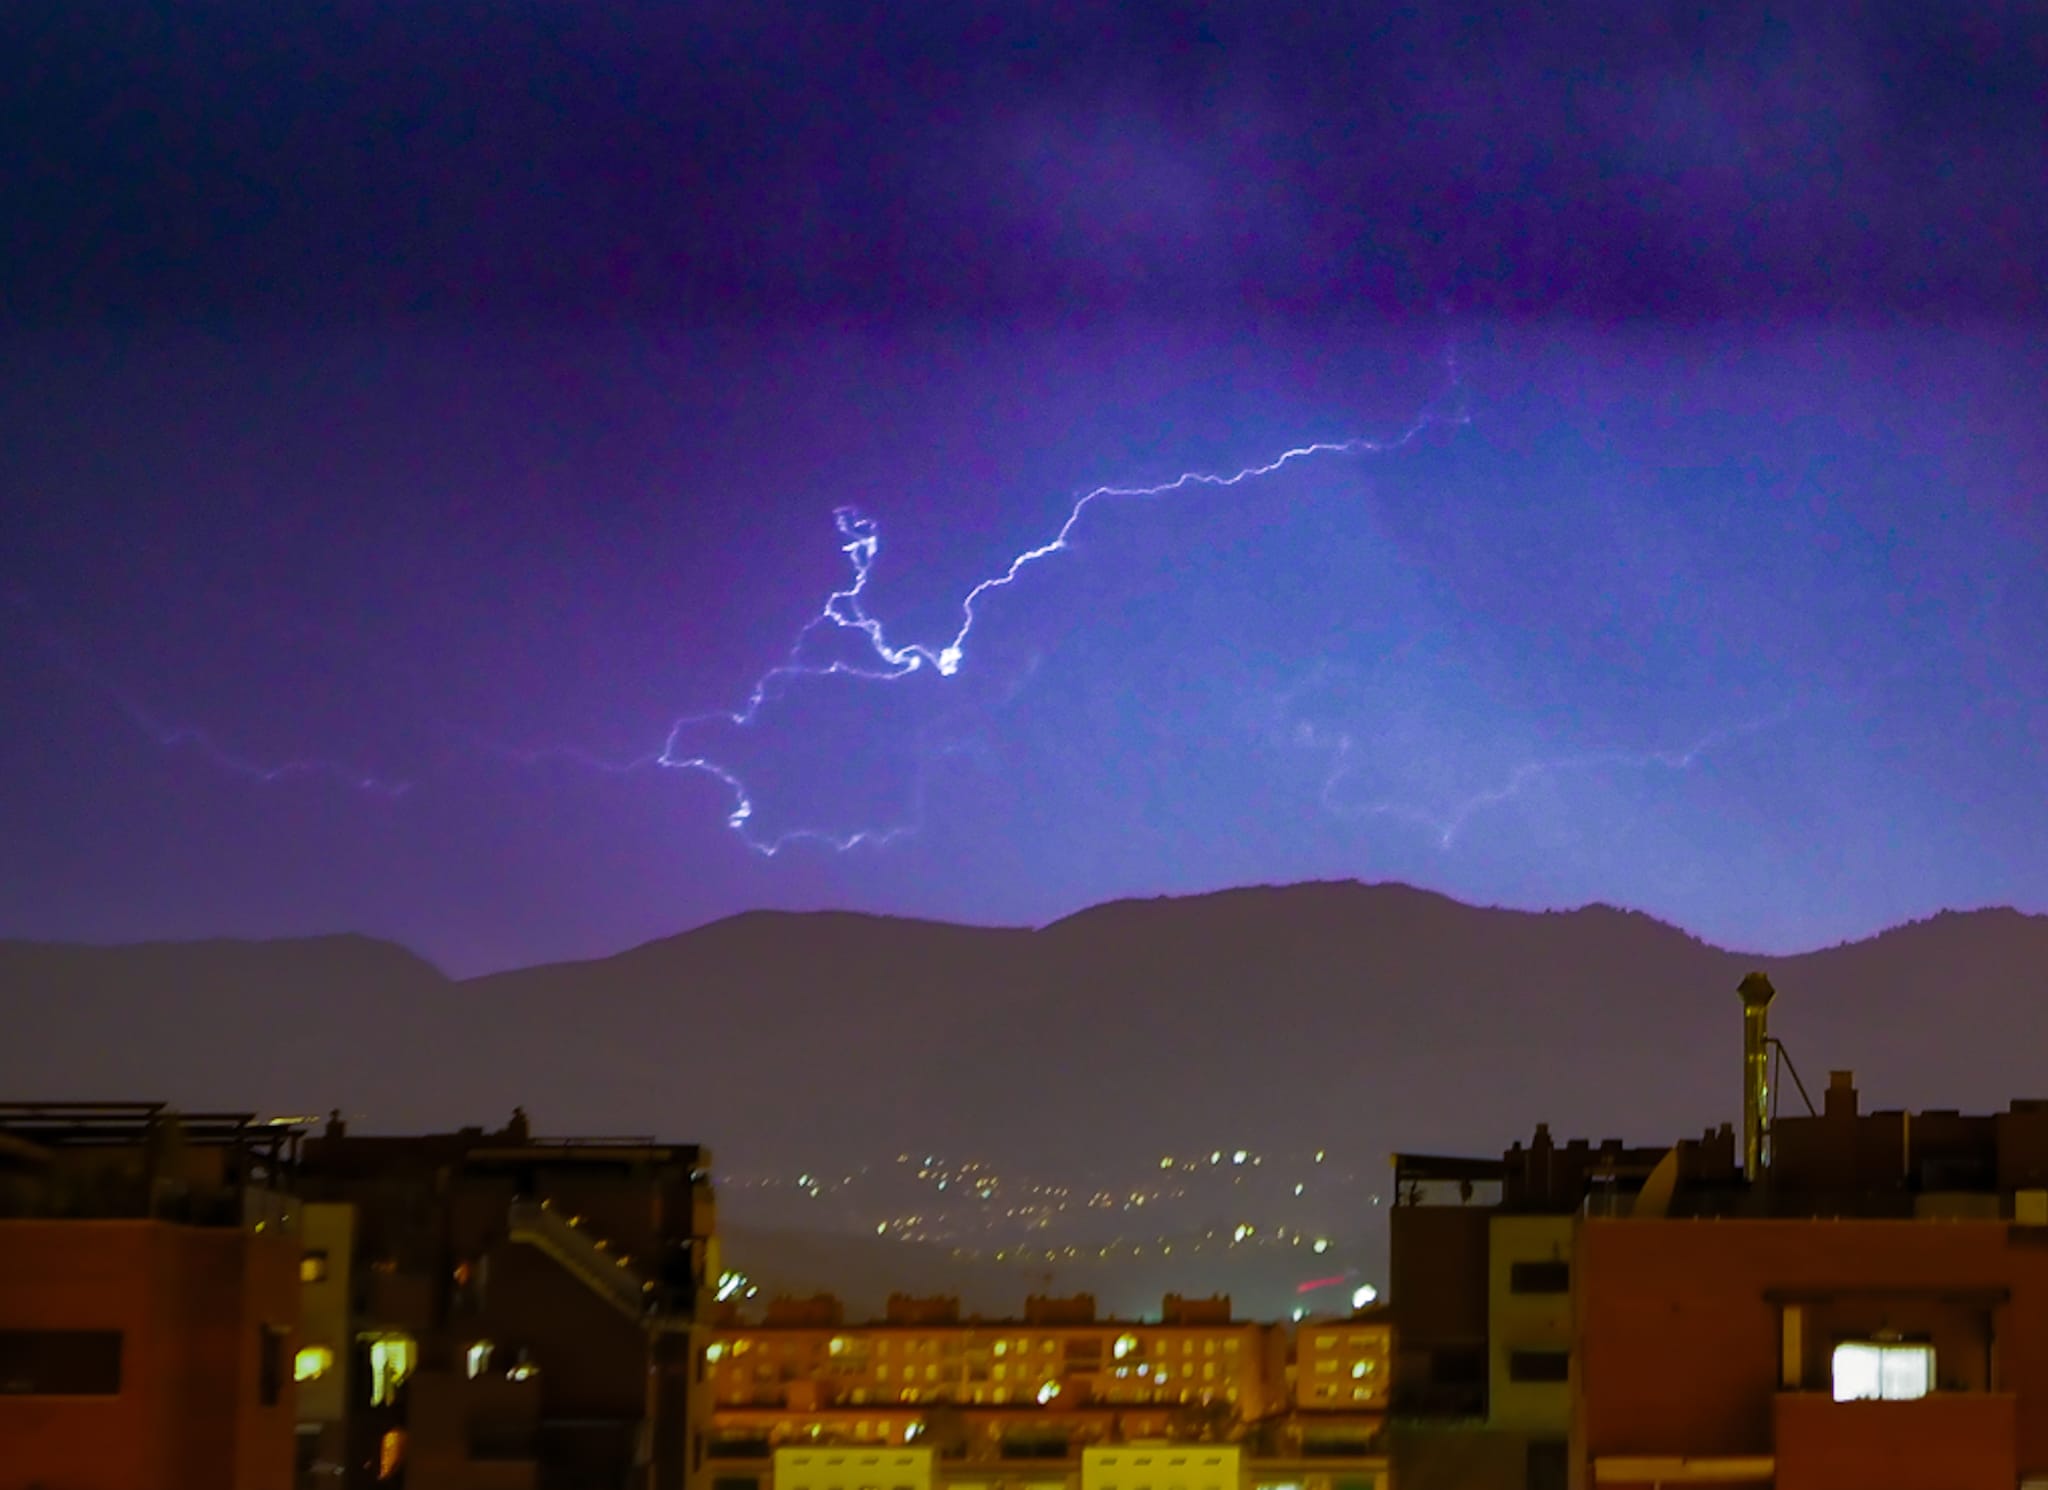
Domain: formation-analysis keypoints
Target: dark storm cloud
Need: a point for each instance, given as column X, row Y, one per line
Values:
column 540, row 159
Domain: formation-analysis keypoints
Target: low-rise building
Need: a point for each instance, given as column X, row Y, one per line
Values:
column 1019, row 1404
column 149, row 1298
column 493, row 1310
column 1842, row 1299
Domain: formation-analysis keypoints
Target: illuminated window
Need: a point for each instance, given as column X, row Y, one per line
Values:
column 837, row 1345
column 715, row 1352
column 882, row 1372
column 391, row 1453
column 391, row 1362
column 313, row 1267
column 479, row 1358
column 1125, row 1344
column 1868, row 1369
column 1230, row 1347
column 1002, row 1347
column 1208, row 1347
column 1208, row 1370
column 312, row 1362
column 1326, row 1367
column 1001, row 1372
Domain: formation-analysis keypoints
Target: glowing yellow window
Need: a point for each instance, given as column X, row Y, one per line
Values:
column 391, row 1453
column 312, row 1363
column 313, row 1267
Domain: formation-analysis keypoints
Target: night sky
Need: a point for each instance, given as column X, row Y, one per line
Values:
column 411, row 413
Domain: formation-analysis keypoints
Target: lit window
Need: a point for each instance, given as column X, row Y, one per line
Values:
column 1125, row 1344
column 882, row 1372
column 312, row 1362
column 479, row 1358
column 837, row 1345
column 1866, row 1369
column 313, row 1267
column 391, row 1453
column 1002, row 1347
column 715, row 1352
column 391, row 1362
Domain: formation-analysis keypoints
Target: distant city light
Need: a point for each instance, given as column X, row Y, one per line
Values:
column 1238, row 1157
column 1047, row 1392
column 1362, row 1295
column 1322, row 1244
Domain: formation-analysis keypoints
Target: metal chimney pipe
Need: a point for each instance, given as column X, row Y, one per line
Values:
column 1757, row 994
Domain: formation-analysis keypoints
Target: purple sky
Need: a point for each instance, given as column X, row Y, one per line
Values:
column 456, row 402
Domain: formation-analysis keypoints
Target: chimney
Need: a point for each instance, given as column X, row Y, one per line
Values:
column 1840, row 1101
column 1757, row 993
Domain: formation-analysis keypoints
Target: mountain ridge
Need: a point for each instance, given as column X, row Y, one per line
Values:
column 1330, row 1012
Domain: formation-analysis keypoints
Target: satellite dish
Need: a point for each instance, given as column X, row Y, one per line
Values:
column 1653, row 1201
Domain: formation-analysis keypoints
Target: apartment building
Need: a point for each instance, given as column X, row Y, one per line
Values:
column 1825, row 1300
column 1020, row 1402
column 149, row 1299
column 495, row 1310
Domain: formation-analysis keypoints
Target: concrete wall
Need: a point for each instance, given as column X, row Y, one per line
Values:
column 1681, row 1346
column 192, row 1305
column 1526, row 1321
column 1160, row 1466
column 904, row 1468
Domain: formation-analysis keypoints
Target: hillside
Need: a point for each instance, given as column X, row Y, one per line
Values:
column 1369, row 1016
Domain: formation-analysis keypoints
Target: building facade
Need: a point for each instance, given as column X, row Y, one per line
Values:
column 500, row 1311
column 1837, row 1299
column 1021, row 1403
column 149, row 1299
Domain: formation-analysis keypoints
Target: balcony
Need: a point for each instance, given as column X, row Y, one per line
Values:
column 1959, row 1440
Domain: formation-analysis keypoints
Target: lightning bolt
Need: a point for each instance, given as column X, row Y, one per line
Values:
column 883, row 661
column 192, row 738
column 1445, row 827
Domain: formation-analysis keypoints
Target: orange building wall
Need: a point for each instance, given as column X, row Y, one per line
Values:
column 1679, row 1343
column 190, row 1303
column 1959, row 1442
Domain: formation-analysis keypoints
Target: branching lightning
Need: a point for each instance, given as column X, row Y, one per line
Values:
column 1446, row 826
column 200, row 742
column 845, row 611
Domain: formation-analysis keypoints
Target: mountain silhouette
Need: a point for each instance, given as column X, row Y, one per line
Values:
column 1362, row 1017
